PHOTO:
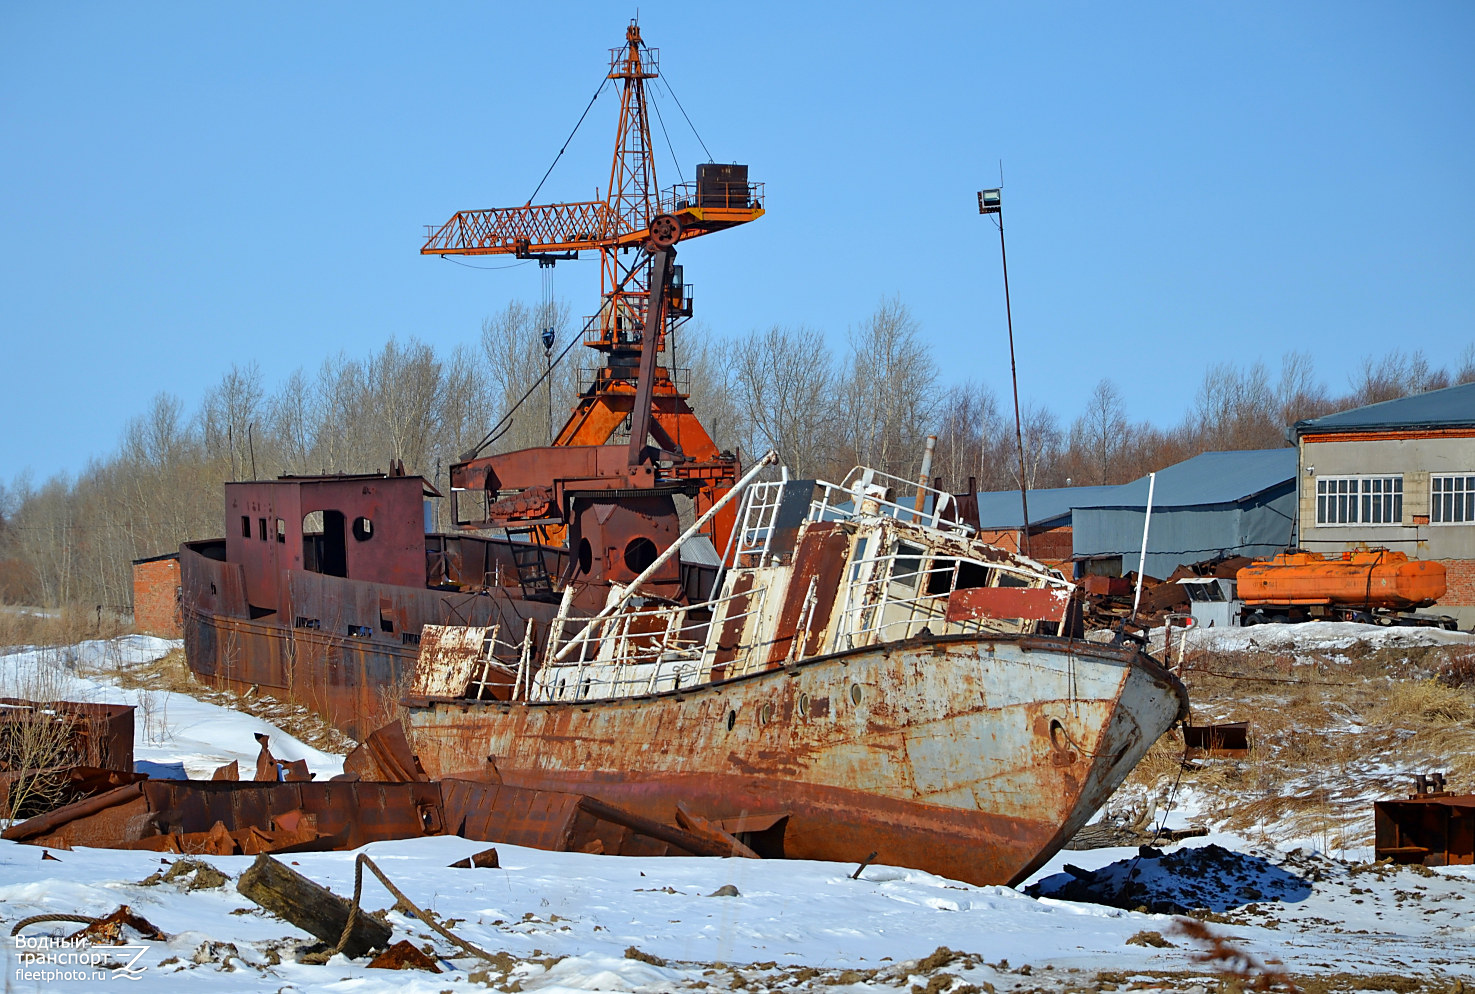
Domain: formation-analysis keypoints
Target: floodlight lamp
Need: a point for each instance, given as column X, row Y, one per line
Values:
column 990, row 201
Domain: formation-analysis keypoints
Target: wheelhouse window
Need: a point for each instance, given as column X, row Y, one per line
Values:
column 1359, row 500
column 1452, row 499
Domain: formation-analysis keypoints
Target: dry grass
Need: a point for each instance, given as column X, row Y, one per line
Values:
column 172, row 673
column 58, row 626
column 1329, row 734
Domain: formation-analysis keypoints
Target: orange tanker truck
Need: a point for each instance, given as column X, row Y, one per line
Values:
column 1370, row 585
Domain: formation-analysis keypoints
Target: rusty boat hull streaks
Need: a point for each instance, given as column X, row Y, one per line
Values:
column 972, row 757
column 303, row 650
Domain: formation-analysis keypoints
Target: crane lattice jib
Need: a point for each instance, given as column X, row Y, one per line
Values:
column 623, row 218
column 581, row 226
column 722, row 197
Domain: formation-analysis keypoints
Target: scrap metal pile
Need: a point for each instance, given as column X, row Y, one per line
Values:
column 1109, row 599
column 54, row 752
column 382, row 795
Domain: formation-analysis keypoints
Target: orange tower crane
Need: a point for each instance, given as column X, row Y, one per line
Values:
column 620, row 228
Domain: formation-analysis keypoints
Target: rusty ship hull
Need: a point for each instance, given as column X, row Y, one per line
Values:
column 974, row 758
column 342, row 647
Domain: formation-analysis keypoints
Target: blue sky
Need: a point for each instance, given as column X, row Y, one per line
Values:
column 191, row 185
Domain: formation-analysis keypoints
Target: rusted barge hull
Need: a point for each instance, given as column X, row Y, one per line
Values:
column 225, row 818
column 344, row 648
column 975, row 758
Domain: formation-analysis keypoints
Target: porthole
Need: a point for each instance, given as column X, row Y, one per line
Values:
column 765, row 713
column 731, row 720
column 586, row 556
column 804, row 704
column 363, row 529
column 855, row 692
column 640, row 553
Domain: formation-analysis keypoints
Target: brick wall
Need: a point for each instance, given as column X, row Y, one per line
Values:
column 1459, row 582
column 156, row 597
column 1053, row 545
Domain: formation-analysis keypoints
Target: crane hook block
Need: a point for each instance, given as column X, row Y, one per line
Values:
column 664, row 231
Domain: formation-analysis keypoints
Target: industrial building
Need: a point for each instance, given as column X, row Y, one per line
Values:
column 1217, row 503
column 1397, row 475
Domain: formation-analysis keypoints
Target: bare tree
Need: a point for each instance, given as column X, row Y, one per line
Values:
column 229, row 415
column 1299, row 393
column 1043, row 444
column 888, row 395
column 1100, row 432
column 404, row 388
column 705, row 363
column 1236, row 409
column 783, row 379
column 517, row 361
column 1397, row 374
column 291, row 417
column 1465, row 371
column 971, row 434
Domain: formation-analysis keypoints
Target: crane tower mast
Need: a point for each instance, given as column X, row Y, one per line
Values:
column 620, row 228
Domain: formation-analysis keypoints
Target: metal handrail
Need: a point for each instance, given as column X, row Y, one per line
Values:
column 665, row 653
column 860, row 493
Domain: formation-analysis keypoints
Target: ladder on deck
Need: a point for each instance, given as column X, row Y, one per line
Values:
column 532, row 568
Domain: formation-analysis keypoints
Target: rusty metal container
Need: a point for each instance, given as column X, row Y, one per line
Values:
column 1434, row 829
column 1374, row 579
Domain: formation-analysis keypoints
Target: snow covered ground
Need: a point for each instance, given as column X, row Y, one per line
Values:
column 566, row 920
column 175, row 736
column 1311, row 636
column 572, row 922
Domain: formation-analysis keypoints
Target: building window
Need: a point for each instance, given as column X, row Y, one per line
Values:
column 1452, row 500
column 1359, row 500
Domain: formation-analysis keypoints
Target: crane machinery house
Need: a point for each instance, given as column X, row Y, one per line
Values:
column 1399, row 475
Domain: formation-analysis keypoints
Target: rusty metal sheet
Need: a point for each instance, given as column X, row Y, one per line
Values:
column 820, row 558
column 1230, row 738
column 118, row 814
column 731, row 633
column 1107, row 586
column 96, row 735
column 403, row 955
column 1027, row 603
column 490, row 812
column 1433, row 829
column 385, row 755
column 449, row 658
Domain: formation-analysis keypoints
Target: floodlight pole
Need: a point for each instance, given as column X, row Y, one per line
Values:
column 992, row 202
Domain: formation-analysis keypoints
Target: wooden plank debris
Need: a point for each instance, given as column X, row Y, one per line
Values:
column 310, row 906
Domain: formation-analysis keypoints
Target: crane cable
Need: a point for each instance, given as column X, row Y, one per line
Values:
column 666, row 79
column 505, row 424
column 602, row 84
column 666, row 135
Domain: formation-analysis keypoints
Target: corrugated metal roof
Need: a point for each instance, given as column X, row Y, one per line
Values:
column 1000, row 509
column 1210, row 478
column 1448, row 408
column 1213, row 478
column 699, row 550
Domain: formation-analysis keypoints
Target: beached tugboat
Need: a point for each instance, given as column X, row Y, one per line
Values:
column 868, row 677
